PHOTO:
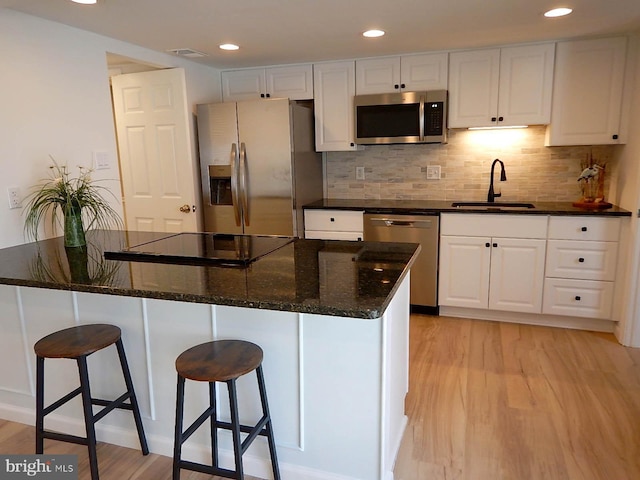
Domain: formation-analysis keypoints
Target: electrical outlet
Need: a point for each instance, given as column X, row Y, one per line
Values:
column 359, row 173
column 15, row 199
column 433, row 172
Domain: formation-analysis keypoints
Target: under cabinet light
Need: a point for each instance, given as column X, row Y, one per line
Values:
column 85, row 2
column 229, row 46
column 498, row 128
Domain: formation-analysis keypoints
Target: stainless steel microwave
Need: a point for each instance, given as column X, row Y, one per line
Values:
column 406, row 117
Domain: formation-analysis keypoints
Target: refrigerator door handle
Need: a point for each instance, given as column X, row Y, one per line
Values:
column 233, row 162
column 243, row 184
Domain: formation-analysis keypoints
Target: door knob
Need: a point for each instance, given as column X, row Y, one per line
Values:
column 185, row 208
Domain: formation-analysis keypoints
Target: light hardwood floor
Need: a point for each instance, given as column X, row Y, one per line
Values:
column 493, row 400
column 487, row 401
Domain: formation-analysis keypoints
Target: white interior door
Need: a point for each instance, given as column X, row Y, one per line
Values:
column 154, row 144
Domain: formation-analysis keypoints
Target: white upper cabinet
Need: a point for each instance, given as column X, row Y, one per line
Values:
column 294, row 82
column 588, row 88
column 334, row 88
column 405, row 73
column 501, row 87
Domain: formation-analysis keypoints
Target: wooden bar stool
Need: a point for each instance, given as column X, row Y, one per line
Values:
column 78, row 343
column 221, row 361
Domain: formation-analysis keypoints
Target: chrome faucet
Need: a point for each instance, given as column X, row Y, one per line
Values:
column 503, row 178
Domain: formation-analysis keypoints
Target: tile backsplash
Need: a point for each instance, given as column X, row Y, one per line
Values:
column 534, row 172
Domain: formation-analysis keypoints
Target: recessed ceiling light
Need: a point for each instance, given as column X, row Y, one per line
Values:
column 373, row 33
column 558, row 12
column 85, row 2
column 229, row 46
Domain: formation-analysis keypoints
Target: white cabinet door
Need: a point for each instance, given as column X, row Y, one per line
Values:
column 377, row 75
column 526, row 84
column 501, row 87
column 334, row 86
column 424, row 72
column 406, row 73
column 517, row 274
column 473, row 88
column 238, row 85
column 294, row 82
column 588, row 87
column 464, row 271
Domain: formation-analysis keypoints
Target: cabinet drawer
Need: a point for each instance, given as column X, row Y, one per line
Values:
column 487, row 225
column 584, row 228
column 327, row 235
column 334, row 220
column 578, row 298
column 581, row 260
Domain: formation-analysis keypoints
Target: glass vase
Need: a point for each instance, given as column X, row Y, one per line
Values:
column 73, row 228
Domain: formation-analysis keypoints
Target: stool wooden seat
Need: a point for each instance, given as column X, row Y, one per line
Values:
column 78, row 343
column 221, row 361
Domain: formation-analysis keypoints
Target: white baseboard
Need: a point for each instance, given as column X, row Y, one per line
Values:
column 576, row 323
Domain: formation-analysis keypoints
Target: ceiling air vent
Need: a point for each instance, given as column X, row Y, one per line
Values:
column 187, row 52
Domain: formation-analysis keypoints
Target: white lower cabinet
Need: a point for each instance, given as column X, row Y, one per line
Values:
column 334, row 224
column 581, row 266
column 492, row 261
column 517, row 273
column 464, row 271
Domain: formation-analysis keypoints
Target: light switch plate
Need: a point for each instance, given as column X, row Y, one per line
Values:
column 101, row 160
column 433, row 172
column 359, row 173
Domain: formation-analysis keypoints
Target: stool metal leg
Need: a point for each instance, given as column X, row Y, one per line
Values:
column 235, row 427
column 177, row 441
column 88, row 416
column 214, row 424
column 269, row 426
column 39, row 404
column 132, row 397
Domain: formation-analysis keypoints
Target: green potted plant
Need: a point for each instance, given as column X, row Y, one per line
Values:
column 77, row 199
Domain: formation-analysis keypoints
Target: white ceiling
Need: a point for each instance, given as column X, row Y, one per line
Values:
column 272, row 32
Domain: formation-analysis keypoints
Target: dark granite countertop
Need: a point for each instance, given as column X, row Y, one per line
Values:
column 351, row 279
column 417, row 207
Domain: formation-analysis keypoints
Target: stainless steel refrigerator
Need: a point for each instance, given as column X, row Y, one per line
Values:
column 258, row 166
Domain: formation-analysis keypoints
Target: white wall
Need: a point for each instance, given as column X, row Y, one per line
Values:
column 55, row 100
column 626, row 193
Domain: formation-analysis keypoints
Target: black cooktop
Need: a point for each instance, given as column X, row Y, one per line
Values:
column 202, row 249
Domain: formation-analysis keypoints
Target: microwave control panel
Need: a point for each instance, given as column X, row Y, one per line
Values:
column 433, row 118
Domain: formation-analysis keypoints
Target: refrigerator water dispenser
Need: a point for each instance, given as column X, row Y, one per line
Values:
column 220, row 185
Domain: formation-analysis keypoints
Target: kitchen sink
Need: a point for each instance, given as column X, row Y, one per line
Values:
column 493, row 205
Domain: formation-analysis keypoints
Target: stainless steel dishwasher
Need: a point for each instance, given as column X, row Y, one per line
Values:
column 422, row 229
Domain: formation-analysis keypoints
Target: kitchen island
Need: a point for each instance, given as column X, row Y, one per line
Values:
column 331, row 317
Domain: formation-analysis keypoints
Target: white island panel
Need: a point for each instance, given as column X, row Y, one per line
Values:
column 336, row 385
